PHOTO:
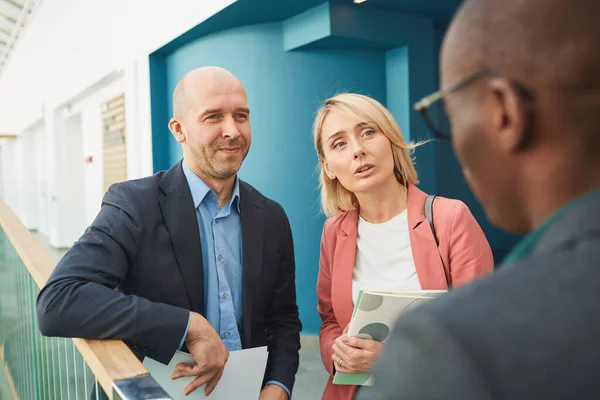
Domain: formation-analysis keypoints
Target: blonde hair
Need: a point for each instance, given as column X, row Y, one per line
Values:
column 335, row 198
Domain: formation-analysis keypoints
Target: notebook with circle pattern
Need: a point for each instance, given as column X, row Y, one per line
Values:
column 373, row 318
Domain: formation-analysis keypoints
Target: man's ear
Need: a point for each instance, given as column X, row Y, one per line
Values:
column 327, row 169
column 510, row 116
column 177, row 130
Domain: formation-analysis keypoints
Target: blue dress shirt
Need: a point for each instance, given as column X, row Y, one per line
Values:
column 221, row 243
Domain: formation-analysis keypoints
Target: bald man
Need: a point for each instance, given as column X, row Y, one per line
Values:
column 191, row 258
column 521, row 85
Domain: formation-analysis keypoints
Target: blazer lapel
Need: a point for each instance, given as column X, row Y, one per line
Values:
column 253, row 226
column 180, row 217
column 428, row 264
column 343, row 269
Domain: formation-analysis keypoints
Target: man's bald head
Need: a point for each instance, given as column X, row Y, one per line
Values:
column 548, row 45
column 186, row 91
column 534, row 113
column 211, row 120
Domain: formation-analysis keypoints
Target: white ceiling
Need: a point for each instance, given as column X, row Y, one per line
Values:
column 14, row 15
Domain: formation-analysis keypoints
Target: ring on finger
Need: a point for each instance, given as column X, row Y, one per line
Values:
column 340, row 363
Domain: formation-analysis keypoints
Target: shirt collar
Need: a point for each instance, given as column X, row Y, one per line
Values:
column 200, row 189
column 530, row 241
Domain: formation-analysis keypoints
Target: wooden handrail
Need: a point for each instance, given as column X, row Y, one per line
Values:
column 109, row 360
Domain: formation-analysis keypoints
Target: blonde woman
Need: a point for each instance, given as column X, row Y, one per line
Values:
column 377, row 236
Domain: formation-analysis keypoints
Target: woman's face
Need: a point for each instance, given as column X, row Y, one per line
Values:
column 357, row 153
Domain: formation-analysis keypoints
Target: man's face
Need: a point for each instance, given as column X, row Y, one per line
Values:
column 216, row 128
column 474, row 115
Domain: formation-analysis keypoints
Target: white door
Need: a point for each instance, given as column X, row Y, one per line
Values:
column 73, row 201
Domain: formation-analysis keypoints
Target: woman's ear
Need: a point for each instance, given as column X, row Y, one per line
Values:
column 330, row 174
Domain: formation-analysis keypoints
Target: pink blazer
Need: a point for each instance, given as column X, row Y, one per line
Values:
column 463, row 246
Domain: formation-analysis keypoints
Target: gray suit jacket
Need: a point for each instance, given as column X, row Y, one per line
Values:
column 530, row 331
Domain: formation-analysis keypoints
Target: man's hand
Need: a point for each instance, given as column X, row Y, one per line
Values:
column 209, row 352
column 357, row 356
column 273, row 392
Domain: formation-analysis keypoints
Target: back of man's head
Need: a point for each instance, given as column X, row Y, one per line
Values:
column 530, row 130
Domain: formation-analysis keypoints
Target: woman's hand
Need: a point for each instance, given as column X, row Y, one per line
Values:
column 352, row 355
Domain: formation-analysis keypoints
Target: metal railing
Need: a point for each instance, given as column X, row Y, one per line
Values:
column 34, row 367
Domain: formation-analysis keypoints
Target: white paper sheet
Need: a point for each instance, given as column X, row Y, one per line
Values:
column 241, row 380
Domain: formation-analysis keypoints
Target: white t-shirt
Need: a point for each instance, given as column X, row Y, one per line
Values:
column 384, row 258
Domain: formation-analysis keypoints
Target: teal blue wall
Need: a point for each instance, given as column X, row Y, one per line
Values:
column 289, row 67
column 411, row 71
column 284, row 91
column 160, row 114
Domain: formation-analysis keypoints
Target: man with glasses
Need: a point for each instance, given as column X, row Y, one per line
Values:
column 521, row 83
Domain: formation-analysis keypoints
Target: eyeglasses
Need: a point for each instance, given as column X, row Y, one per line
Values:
column 432, row 110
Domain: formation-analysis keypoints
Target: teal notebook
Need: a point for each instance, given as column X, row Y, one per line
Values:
column 374, row 315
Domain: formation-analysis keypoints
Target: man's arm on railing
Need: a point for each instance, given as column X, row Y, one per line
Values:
column 80, row 300
column 111, row 362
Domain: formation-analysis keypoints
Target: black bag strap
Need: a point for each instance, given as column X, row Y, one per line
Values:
column 429, row 215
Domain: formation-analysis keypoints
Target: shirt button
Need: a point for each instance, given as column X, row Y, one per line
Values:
column 216, row 221
column 224, row 295
column 220, row 257
column 226, row 334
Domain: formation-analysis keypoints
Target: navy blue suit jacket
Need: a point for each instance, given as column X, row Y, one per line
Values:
column 136, row 273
